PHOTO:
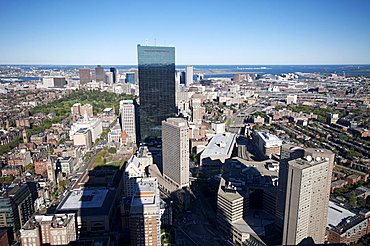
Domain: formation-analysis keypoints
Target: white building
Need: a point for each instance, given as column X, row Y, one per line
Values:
column 189, row 75
column 54, row 82
column 135, row 168
column 115, row 135
column 291, row 99
column 175, row 151
column 128, row 119
column 66, row 165
column 83, row 138
column 219, row 128
column 267, row 143
column 93, row 124
column 218, row 150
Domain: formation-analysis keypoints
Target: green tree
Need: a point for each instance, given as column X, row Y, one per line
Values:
column 361, row 202
column 112, row 150
column 352, row 199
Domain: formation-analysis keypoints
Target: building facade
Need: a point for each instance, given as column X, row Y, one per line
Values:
column 175, row 151
column 307, row 196
column 145, row 215
column 189, row 75
column 128, row 109
column 16, row 207
column 157, row 88
column 85, row 75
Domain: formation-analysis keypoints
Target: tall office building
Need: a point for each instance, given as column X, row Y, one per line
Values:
column 189, row 75
column 197, row 110
column 109, row 78
column 156, row 88
column 114, row 71
column 182, row 78
column 175, row 151
column 85, row 75
column 128, row 110
column 145, row 217
column 99, row 73
column 307, row 196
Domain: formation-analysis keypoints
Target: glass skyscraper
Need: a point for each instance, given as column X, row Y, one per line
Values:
column 156, row 88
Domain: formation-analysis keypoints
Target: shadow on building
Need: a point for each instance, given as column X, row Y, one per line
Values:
column 95, row 200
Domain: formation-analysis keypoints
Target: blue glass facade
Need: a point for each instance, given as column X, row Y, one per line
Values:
column 156, row 87
column 114, row 72
column 130, row 78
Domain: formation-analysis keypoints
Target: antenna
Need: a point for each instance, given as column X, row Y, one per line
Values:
column 146, row 42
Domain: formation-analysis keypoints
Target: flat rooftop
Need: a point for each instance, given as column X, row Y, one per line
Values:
column 336, row 214
column 220, row 146
column 86, row 198
column 88, row 201
column 145, row 193
column 260, row 166
column 180, row 122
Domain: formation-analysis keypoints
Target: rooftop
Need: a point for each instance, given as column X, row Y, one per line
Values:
column 145, row 193
column 337, row 214
column 90, row 201
column 268, row 138
column 220, row 146
column 180, row 122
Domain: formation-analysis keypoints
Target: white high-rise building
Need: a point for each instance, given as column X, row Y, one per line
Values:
column 307, row 196
column 189, row 75
column 175, row 151
column 128, row 119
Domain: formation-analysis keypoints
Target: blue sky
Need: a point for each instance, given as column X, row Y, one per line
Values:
column 203, row 32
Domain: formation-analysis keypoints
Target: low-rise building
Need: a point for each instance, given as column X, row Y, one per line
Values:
column 41, row 166
column 11, row 171
column 218, row 150
column 65, row 165
column 267, row 144
column 20, row 158
column 345, row 226
column 115, row 135
column 57, row 229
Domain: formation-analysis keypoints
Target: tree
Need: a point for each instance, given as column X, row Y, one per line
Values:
column 352, row 199
column 112, row 150
column 361, row 202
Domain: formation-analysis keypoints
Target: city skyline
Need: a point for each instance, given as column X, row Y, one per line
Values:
column 315, row 32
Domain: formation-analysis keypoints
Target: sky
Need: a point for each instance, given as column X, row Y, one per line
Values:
column 203, row 32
